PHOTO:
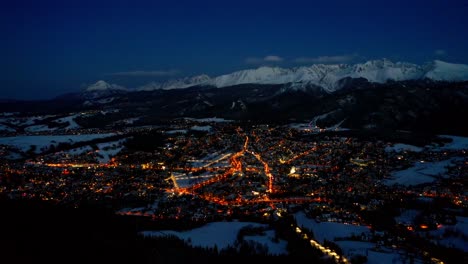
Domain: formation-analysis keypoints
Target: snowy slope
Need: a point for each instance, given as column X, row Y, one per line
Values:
column 103, row 86
column 325, row 75
column 174, row 84
column 443, row 71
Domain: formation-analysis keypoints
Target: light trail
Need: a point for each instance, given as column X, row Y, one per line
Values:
column 327, row 251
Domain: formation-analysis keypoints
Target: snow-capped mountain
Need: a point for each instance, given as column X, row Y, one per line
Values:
column 103, row 89
column 102, row 86
column 176, row 84
column 443, row 71
column 326, row 76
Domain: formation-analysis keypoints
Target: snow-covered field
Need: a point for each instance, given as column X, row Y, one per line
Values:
column 274, row 248
column 421, row 172
column 79, row 151
column 329, row 230
column 177, row 131
column 458, row 143
column 399, row 147
column 33, row 124
column 222, row 235
column 209, row 120
column 458, row 238
column 107, row 150
column 70, row 120
column 6, row 128
column 354, row 248
column 201, row 128
column 407, row 216
column 39, row 128
column 24, row 143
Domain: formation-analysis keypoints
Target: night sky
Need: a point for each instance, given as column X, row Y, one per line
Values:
column 53, row 47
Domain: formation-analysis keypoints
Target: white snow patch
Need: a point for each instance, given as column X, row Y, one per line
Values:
column 108, row 150
column 329, row 230
column 42, row 143
column 39, row 128
column 399, row 147
column 458, row 237
column 219, row 234
column 70, row 120
column 421, row 172
column 103, row 86
column 79, row 151
column 6, row 128
column 201, row 128
column 176, row 131
column 458, row 143
column 407, row 216
column 208, row 120
column 274, row 248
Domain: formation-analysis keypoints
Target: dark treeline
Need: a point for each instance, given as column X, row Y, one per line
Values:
column 40, row 232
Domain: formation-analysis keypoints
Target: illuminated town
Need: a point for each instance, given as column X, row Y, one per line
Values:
column 202, row 172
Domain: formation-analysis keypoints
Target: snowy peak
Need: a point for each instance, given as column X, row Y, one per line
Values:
column 149, row 87
column 104, row 86
column 323, row 75
column 327, row 76
column 444, row 71
column 186, row 82
column 176, row 84
column 380, row 71
column 262, row 75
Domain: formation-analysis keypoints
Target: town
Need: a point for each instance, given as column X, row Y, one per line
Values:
column 405, row 199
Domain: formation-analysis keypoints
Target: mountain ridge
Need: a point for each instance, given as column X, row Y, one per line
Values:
column 326, row 76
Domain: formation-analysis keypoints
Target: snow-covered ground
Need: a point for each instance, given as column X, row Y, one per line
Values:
column 6, row 128
column 24, row 143
column 79, row 151
column 128, row 121
column 222, row 235
column 307, row 127
column 407, row 216
column 399, row 147
column 39, row 128
column 354, row 248
column 329, row 230
column 70, row 120
column 201, row 128
column 209, row 120
column 176, row 131
column 274, row 248
column 455, row 236
column 458, row 143
column 421, row 172
column 107, row 150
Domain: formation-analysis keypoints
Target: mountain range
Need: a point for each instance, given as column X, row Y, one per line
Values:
column 375, row 95
column 325, row 76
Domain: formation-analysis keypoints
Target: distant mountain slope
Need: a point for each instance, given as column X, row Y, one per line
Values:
column 325, row 76
column 415, row 105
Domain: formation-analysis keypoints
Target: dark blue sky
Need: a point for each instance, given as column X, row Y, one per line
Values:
column 53, row 47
